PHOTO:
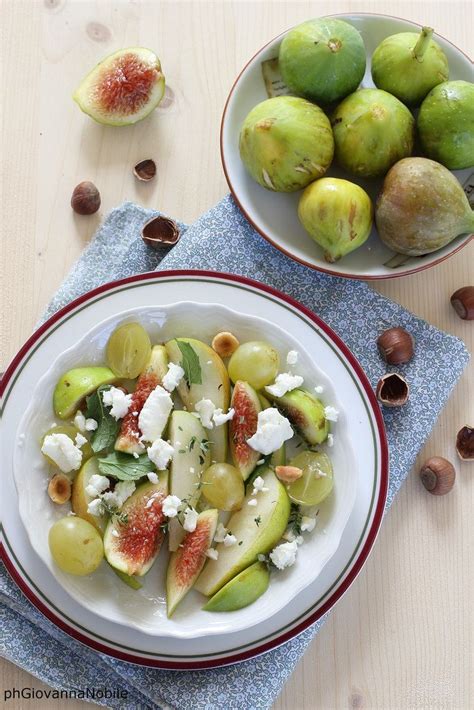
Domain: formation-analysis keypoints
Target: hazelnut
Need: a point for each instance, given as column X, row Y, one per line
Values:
column 288, row 474
column 462, row 301
column 85, row 198
column 145, row 170
column 396, row 346
column 160, row 232
column 59, row 488
column 225, row 344
column 465, row 443
column 438, row 475
column 392, row 390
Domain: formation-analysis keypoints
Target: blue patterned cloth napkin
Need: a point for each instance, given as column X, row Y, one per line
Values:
column 223, row 240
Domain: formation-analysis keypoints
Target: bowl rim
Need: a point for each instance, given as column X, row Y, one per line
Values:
column 309, row 264
column 33, row 594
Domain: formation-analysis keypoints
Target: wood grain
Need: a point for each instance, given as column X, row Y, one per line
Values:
column 402, row 637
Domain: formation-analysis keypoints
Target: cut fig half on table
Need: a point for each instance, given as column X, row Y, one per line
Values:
column 123, row 88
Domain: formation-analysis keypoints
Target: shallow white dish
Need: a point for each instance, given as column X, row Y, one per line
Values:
column 102, row 592
column 274, row 215
column 363, row 417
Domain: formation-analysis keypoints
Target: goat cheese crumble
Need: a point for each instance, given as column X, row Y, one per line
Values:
column 152, row 477
column 219, row 417
column 259, row 486
column 212, row 554
column 284, row 382
column 116, row 498
column 80, row 440
column 307, row 524
column 229, row 540
column 96, row 507
column 331, row 414
column 171, row 505
column 272, row 431
column 97, row 485
column 161, row 453
column 220, row 534
column 292, row 357
column 210, row 415
column 118, row 401
column 62, row 451
column 173, row 377
column 190, row 519
column 284, row 555
column 319, row 389
column 154, row 414
column 330, row 440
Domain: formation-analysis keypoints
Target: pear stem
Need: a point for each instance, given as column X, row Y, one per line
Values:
column 423, row 43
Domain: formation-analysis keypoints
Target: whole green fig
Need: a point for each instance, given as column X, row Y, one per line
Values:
column 372, row 130
column 286, row 143
column 409, row 65
column 322, row 60
column 337, row 214
column 422, row 207
column 446, row 124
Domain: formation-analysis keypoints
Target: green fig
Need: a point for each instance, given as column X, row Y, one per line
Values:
column 409, row 65
column 422, row 207
column 322, row 60
column 241, row 590
column 286, row 143
column 306, row 413
column 372, row 130
column 337, row 214
column 446, row 124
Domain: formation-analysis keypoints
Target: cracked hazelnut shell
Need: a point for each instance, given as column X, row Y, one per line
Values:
column 438, row 475
column 160, row 232
column 145, row 170
column 85, row 198
column 465, row 443
column 396, row 346
column 462, row 301
column 392, row 390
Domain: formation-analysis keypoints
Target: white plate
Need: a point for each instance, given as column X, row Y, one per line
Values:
column 103, row 593
column 361, row 417
column 274, row 215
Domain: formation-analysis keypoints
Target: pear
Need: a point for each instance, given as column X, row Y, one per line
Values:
column 242, row 590
column 258, row 528
column 191, row 458
column 306, row 413
column 187, row 562
column 422, row 207
column 76, row 384
column 337, row 214
column 214, row 384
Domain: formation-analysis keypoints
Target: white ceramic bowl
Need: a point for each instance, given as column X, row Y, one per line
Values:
column 102, row 592
column 274, row 215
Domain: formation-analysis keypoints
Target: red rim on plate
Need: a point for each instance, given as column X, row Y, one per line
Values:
column 28, row 588
column 309, row 264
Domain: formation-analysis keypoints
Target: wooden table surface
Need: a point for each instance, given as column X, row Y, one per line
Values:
column 402, row 637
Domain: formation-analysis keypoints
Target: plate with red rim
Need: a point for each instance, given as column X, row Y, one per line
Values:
column 274, row 214
column 363, row 414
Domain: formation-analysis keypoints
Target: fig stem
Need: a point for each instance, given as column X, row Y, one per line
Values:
column 423, row 43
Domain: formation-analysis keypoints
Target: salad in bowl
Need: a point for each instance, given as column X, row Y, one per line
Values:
column 218, row 449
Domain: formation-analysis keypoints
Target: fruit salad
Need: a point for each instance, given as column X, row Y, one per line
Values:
column 218, row 451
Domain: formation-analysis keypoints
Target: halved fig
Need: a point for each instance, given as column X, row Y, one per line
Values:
column 247, row 405
column 133, row 539
column 155, row 370
column 187, row 562
column 306, row 413
column 123, row 88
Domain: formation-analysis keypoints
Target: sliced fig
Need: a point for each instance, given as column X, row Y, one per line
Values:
column 243, row 425
column 187, row 562
column 155, row 370
column 306, row 413
column 132, row 540
column 123, row 88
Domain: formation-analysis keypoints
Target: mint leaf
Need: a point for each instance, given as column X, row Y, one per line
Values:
column 103, row 438
column 190, row 364
column 125, row 467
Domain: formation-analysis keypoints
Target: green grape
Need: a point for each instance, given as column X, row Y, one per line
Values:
column 128, row 350
column 75, row 545
column 71, row 432
column 316, row 482
column 223, row 486
column 255, row 362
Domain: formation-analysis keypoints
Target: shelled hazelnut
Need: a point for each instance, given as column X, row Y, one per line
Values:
column 85, row 198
